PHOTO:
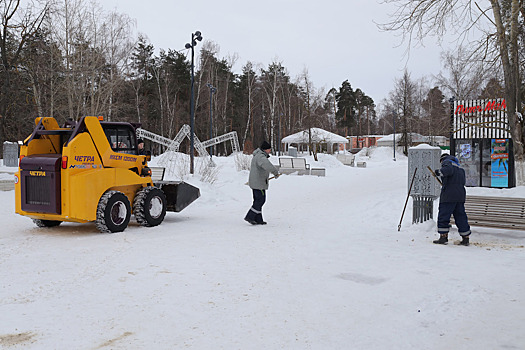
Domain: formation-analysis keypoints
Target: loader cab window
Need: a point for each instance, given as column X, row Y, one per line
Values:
column 121, row 138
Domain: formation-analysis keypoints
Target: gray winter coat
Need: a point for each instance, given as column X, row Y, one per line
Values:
column 260, row 170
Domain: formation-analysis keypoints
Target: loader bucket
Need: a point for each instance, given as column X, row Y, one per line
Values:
column 179, row 195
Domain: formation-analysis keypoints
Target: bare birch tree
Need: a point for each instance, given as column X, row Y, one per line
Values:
column 117, row 43
column 95, row 46
column 272, row 82
column 465, row 75
column 312, row 102
column 403, row 101
column 251, row 78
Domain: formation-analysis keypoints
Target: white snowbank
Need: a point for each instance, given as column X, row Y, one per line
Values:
column 329, row 271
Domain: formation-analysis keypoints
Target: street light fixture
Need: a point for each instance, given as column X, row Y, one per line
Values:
column 212, row 91
column 194, row 38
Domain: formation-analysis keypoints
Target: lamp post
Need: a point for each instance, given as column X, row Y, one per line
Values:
column 394, row 115
column 212, row 91
column 452, row 142
column 194, row 38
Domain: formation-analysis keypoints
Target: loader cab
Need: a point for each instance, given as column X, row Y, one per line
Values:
column 121, row 137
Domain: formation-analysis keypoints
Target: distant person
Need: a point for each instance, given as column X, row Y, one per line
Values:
column 452, row 200
column 258, row 182
column 140, row 145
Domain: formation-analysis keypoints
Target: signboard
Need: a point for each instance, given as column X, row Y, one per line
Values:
column 499, row 159
column 480, row 119
column 471, row 111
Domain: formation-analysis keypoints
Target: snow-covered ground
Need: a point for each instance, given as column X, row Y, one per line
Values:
column 329, row 271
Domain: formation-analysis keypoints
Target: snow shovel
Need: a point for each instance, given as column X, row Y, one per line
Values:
column 408, row 195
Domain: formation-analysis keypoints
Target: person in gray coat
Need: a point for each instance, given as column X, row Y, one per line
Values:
column 258, row 181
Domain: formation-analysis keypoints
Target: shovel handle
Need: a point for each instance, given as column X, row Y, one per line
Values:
column 434, row 174
column 273, row 177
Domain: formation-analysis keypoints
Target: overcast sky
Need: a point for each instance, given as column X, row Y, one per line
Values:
column 334, row 40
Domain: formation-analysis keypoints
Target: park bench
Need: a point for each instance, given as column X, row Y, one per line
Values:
column 157, row 173
column 294, row 165
column 346, row 159
column 299, row 166
column 497, row 212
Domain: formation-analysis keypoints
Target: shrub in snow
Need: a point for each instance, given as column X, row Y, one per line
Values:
column 243, row 161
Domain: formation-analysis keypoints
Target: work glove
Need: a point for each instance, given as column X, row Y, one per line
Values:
column 437, row 172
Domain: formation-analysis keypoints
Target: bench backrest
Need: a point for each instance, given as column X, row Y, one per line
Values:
column 293, row 163
column 157, row 173
column 347, row 159
column 299, row 163
column 285, row 162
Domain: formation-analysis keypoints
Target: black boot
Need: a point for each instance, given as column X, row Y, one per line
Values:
column 443, row 239
column 253, row 222
column 464, row 241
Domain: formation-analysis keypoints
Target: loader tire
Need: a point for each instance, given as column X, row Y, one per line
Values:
column 46, row 223
column 149, row 206
column 113, row 212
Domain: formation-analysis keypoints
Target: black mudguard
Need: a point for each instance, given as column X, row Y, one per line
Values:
column 178, row 194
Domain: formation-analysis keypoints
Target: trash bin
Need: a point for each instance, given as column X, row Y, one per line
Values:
column 292, row 151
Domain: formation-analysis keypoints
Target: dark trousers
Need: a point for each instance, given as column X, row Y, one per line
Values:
column 255, row 212
column 460, row 217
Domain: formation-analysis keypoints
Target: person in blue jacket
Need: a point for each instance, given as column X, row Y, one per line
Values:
column 452, row 200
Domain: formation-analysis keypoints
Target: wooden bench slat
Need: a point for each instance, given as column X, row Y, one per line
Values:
column 496, row 201
column 510, row 206
column 495, row 210
column 497, row 225
column 497, row 205
column 493, row 214
column 518, row 221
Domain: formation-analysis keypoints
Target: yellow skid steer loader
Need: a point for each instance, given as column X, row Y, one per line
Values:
column 91, row 170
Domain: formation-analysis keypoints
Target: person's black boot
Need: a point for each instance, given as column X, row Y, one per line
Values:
column 464, row 241
column 253, row 222
column 443, row 239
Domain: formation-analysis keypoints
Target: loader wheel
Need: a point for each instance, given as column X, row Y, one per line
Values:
column 113, row 212
column 46, row 223
column 149, row 206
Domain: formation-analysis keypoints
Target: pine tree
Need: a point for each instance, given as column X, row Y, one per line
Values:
column 346, row 107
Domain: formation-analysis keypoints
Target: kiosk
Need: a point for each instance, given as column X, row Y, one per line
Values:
column 481, row 140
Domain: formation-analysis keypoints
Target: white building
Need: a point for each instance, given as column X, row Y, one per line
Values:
column 325, row 139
